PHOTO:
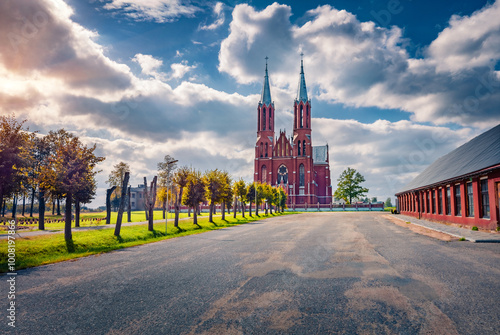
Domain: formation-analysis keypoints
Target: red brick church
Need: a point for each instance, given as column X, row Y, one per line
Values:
column 292, row 162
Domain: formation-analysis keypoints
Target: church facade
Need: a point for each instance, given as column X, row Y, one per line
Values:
column 291, row 162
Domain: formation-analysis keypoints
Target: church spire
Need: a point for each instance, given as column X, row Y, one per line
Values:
column 302, row 91
column 266, row 91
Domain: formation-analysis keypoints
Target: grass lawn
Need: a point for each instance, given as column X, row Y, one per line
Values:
column 46, row 249
column 53, row 221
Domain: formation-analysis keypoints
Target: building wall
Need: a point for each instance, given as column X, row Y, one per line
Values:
column 421, row 203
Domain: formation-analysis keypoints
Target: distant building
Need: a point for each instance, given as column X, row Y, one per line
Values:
column 137, row 198
column 301, row 169
column 461, row 187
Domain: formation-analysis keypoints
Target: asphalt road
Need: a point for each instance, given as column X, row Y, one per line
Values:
column 350, row 273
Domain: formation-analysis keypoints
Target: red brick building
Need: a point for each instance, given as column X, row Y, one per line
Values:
column 461, row 187
column 303, row 170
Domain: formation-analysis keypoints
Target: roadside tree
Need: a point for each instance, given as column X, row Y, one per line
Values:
column 349, row 185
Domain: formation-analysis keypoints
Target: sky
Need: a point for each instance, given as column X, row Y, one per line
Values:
column 394, row 84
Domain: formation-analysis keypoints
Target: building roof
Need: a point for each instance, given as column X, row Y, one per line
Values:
column 302, row 90
column 266, row 91
column 480, row 153
column 320, row 154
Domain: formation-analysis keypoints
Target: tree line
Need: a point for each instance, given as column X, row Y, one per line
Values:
column 190, row 187
column 59, row 166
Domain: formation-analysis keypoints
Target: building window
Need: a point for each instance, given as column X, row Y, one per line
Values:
column 282, row 175
column 304, row 148
column 264, row 174
column 266, row 149
column 270, row 119
column 264, row 119
column 485, row 200
column 301, row 175
column 426, row 202
column 448, row 200
column 440, row 201
column 261, row 149
column 301, row 116
column 298, row 148
column 470, row 200
column 433, row 201
column 307, row 116
column 133, row 195
column 458, row 203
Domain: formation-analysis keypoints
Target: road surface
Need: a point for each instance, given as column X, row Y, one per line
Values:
column 315, row 273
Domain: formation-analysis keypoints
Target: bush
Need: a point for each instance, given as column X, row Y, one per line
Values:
column 474, row 228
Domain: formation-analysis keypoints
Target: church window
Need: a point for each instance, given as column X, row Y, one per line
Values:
column 263, row 176
column 304, row 148
column 298, row 148
column 301, row 116
column 301, row 175
column 270, row 119
column 264, row 119
column 261, row 149
column 282, row 175
column 266, row 149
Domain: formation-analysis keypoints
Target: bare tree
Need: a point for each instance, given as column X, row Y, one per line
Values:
column 122, row 203
column 150, row 200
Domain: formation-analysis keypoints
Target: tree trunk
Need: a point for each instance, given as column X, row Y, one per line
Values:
column 129, row 208
column 1, row 201
column 122, row 204
column 24, row 204
column 77, row 213
column 177, row 208
column 242, row 209
column 250, row 209
column 67, row 219
column 58, row 206
column 32, row 201
column 235, row 205
column 223, row 210
column 53, row 207
column 151, row 200
column 256, row 209
column 14, row 206
column 195, row 216
column 108, row 204
column 271, row 209
column 189, row 212
column 41, row 209
column 164, row 208
column 211, row 210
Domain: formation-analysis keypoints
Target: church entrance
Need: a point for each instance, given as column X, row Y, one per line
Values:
column 282, row 175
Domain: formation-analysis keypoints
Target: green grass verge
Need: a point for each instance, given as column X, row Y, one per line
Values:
column 46, row 249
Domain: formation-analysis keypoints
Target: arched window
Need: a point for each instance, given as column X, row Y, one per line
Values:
column 301, row 175
column 282, row 175
column 266, row 149
column 304, row 148
column 264, row 119
column 261, row 149
column 301, row 116
column 263, row 176
column 298, row 148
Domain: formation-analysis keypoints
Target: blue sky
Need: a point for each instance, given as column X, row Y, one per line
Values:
column 394, row 84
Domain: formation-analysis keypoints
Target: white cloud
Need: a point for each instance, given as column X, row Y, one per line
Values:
column 179, row 70
column 219, row 14
column 153, row 10
column 363, row 65
column 149, row 65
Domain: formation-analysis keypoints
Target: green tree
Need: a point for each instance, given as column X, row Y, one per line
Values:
column 259, row 196
column 283, row 198
column 214, row 189
column 226, row 193
column 180, row 179
column 240, row 192
column 250, row 196
column 388, row 202
column 195, row 192
column 349, row 185
column 70, row 171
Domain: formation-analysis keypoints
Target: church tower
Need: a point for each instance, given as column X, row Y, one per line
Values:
column 265, row 133
column 302, row 118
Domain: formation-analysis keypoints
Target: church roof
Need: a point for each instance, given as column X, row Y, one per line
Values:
column 480, row 153
column 302, row 90
column 266, row 91
column 320, row 154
